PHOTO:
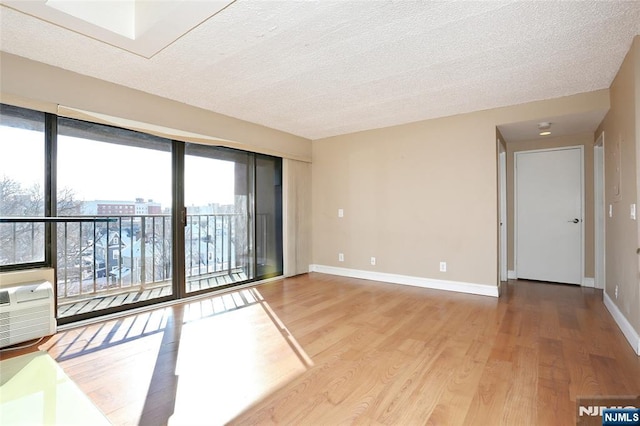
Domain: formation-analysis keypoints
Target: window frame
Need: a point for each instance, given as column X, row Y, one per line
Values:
column 49, row 136
column 178, row 211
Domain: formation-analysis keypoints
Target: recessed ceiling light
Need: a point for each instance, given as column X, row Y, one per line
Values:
column 545, row 128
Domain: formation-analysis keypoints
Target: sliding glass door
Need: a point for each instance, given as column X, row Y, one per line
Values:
column 233, row 229
column 127, row 219
column 119, row 182
column 218, row 230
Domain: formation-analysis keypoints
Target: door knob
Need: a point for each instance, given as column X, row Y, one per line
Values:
column 576, row 220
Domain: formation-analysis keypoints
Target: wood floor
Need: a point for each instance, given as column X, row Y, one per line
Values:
column 320, row 349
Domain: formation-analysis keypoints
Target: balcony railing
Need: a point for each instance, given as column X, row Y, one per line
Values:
column 209, row 244
column 126, row 255
column 127, row 252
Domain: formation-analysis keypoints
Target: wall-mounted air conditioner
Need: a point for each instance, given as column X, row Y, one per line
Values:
column 26, row 312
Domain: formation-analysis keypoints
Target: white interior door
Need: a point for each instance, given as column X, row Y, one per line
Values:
column 549, row 208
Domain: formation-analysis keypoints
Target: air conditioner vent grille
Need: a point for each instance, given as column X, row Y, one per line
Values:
column 26, row 318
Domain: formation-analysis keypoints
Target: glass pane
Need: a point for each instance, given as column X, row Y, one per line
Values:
column 121, row 181
column 22, row 148
column 217, row 236
column 268, row 216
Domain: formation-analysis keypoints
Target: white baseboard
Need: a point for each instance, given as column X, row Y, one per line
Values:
column 457, row 286
column 588, row 282
column 625, row 326
column 511, row 275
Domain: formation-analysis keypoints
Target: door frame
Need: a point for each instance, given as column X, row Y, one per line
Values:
column 515, row 203
column 599, row 213
column 502, row 199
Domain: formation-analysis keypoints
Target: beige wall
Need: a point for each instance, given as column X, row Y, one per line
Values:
column 420, row 193
column 8, row 279
column 620, row 127
column 43, row 87
column 636, row 53
column 585, row 140
column 400, row 191
column 636, row 50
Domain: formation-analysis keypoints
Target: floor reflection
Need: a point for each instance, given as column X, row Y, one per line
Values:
column 227, row 362
column 202, row 362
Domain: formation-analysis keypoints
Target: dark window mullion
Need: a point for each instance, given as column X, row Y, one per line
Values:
column 51, row 197
column 178, row 219
column 253, row 216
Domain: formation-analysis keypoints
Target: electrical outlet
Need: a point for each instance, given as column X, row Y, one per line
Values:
column 340, row 257
column 616, row 291
column 340, row 213
column 443, row 266
column 373, row 261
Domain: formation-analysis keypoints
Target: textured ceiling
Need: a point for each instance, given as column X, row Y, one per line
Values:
column 322, row 68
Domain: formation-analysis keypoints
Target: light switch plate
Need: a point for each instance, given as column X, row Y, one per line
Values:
column 632, row 211
column 610, row 210
column 340, row 213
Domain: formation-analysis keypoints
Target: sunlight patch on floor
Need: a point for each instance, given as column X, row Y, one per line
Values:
column 247, row 356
